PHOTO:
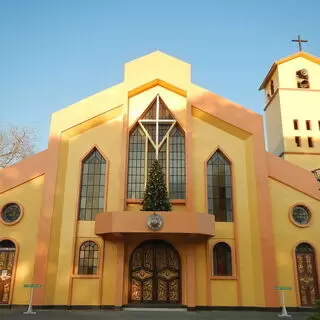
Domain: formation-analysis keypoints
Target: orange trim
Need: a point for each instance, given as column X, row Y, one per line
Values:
column 188, row 160
column 293, row 176
column 299, row 89
column 120, row 274
column 223, row 278
column 101, row 270
column 298, row 153
column 134, row 201
column 75, row 265
column 45, row 219
column 290, row 211
column 139, row 201
column 191, row 275
column 250, row 122
column 301, row 54
column 317, row 266
column 236, row 237
column 92, row 122
column 76, row 220
column 85, row 276
column 23, row 171
column 124, row 160
column 235, row 255
column 154, row 83
column 112, row 224
column 15, row 264
column 14, row 222
column 208, row 266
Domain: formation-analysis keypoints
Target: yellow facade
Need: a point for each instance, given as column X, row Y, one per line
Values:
column 231, row 236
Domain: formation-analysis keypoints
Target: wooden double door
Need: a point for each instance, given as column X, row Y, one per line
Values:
column 307, row 275
column 7, row 258
column 155, row 274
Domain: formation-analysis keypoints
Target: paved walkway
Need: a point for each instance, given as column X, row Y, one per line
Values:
column 145, row 315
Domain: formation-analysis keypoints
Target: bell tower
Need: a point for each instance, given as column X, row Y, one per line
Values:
column 292, row 109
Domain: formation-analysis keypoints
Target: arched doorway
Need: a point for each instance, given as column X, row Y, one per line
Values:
column 7, row 255
column 307, row 274
column 155, row 274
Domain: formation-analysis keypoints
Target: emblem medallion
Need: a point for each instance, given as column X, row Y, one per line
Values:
column 155, row 222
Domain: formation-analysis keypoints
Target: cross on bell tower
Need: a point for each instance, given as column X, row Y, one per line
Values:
column 299, row 41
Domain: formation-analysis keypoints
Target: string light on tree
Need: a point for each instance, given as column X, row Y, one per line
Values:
column 156, row 194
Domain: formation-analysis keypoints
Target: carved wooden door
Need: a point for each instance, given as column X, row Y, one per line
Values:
column 307, row 277
column 6, row 269
column 155, row 274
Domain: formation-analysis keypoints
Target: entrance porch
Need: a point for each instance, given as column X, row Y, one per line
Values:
column 156, row 268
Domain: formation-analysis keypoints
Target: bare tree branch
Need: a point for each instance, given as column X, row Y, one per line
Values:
column 15, row 144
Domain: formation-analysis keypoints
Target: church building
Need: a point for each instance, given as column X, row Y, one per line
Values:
column 243, row 222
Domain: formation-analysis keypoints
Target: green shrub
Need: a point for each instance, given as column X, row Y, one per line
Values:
column 316, row 315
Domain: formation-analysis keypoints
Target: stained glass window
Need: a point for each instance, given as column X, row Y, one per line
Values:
column 7, row 244
column 219, row 187
column 88, row 258
column 222, row 260
column 92, row 190
column 304, row 248
column 157, row 132
column 301, row 215
column 11, row 212
column 177, row 162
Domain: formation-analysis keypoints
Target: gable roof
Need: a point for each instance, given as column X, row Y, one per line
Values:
column 23, row 171
column 273, row 68
column 276, row 168
column 293, row 176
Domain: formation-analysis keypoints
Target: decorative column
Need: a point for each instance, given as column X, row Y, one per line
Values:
column 119, row 275
column 191, row 277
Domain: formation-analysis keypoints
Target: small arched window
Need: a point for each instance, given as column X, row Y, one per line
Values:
column 88, row 258
column 304, row 248
column 222, row 261
column 219, row 187
column 92, row 189
column 272, row 87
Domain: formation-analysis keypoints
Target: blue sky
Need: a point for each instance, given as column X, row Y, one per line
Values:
column 55, row 53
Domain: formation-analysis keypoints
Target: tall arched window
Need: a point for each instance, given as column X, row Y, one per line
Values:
column 92, row 189
column 307, row 274
column 219, row 186
column 222, row 262
column 157, row 132
column 88, row 258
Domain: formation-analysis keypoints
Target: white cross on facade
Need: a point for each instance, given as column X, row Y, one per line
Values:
column 157, row 121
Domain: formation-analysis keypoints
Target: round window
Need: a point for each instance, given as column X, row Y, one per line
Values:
column 301, row 215
column 11, row 213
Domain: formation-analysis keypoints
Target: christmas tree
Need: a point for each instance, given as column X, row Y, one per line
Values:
column 156, row 195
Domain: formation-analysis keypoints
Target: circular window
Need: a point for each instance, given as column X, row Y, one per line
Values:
column 301, row 215
column 11, row 213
